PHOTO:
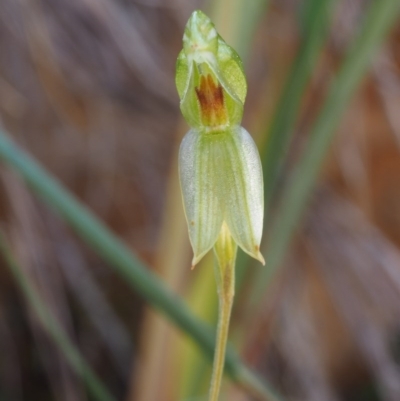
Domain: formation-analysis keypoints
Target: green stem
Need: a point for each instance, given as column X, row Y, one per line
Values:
column 71, row 353
column 225, row 307
column 225, row 252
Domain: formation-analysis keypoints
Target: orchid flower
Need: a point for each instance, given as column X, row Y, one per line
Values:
column 219, row 164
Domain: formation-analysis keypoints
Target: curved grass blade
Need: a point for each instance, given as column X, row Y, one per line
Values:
column 125, row 263
column 380, row 17
column 55, row 331
column 279, row 133
column 315, row 21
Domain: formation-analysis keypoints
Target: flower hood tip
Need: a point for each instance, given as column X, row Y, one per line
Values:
column 260, row 258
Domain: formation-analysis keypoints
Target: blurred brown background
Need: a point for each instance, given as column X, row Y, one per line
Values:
column 87, row 88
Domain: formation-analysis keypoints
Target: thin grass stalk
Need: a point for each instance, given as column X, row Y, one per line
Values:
column 195, row 369
column 278, row 134
column 125, row 263
column 380, row 17
column 316, row 23
column 53, row 328
column 158, row 339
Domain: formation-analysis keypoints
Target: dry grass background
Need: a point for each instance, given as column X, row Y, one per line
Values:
column 87, row 87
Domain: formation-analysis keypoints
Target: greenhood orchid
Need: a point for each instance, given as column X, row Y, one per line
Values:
column 219, row 164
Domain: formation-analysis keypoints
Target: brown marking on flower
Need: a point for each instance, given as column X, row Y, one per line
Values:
column 212, row 104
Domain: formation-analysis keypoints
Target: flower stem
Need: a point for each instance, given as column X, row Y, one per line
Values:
column 225, row 252
column 225, row 306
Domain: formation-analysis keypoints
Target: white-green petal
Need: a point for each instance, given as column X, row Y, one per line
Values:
column 243, row 192
column 197, row 166
column 221, row 180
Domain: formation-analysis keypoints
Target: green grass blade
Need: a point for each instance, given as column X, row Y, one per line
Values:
column 379, row 19
column 71, row 353
column 125, row 263
column 315, row 15
column 279, row 134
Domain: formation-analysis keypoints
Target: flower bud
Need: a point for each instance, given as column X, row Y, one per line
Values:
column 206, row 56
